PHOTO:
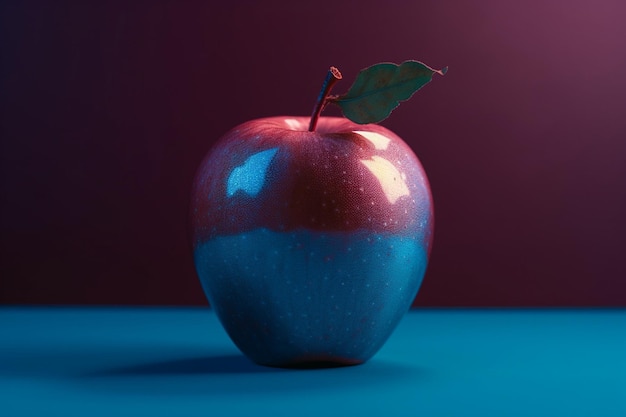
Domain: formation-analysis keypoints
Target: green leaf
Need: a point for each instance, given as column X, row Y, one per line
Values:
column 380, row 88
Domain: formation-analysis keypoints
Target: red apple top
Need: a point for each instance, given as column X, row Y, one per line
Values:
column 330, row 173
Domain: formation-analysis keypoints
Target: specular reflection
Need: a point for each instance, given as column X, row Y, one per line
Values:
column 391, row 180
column 380, row 142
column 250, row 176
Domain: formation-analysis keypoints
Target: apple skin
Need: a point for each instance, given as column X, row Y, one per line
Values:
column 310, row 246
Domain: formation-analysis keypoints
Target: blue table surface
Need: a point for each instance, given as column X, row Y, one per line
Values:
column 180, row 362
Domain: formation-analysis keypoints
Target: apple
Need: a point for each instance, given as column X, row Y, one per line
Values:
column 311, row 237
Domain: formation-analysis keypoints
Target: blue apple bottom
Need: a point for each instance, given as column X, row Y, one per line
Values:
column 309, row 298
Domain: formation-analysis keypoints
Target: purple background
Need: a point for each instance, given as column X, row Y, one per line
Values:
column 108, row 107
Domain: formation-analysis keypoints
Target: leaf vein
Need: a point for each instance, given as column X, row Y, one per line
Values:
column 379, row 91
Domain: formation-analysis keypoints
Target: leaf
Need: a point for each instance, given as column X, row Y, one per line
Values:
column 380, row 88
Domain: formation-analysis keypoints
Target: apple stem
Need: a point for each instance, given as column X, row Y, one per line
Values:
column 331, row 78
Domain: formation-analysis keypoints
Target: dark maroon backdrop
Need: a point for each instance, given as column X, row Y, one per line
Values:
column 108, row 107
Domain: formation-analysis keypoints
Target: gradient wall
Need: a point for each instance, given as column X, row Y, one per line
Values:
column 107, row 109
